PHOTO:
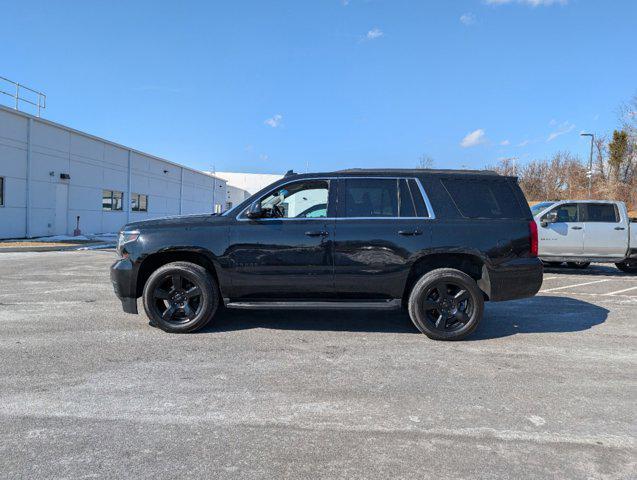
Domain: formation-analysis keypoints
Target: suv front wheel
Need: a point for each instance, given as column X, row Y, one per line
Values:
column 180, row 297
column 446, row 304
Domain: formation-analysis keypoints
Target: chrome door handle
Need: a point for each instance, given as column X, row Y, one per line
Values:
column 576, row 228
column 620, row 228
column 316, row 233
column 409, row 233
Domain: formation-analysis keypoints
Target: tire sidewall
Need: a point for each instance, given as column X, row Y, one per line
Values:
column 193, row 273
column 417, row 313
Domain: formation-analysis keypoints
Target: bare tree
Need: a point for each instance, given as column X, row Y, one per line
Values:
column 425, row 161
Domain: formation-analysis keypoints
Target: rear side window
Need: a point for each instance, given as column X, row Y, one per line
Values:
column 419, row 202
column 407, row 207
column 483, row 198
column 371, row 197
column 600, row 212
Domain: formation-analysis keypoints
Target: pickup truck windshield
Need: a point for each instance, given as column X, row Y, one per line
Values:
column 537, row 208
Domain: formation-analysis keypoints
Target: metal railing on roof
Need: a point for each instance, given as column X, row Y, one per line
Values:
column 35, row 98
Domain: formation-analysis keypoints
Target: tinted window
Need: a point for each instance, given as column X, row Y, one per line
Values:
column 371, row 197
column 600, row 212
column 565, row 213
column 407, row 207
column 1, row 191
column 419, row 202
column 483, row 198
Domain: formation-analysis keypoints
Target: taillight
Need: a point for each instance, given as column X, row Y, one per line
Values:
column 533, row 238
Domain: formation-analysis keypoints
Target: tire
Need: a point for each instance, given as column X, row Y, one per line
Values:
column 442, row 295
column 580, row 265
column 628, row 266
column 180, row 297
column 553, row 264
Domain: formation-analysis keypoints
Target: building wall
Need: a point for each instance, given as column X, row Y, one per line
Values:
column 93, row 165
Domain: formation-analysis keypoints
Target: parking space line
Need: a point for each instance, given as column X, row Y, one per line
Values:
column 550, row 278
column 563, row 287
column 621, row 291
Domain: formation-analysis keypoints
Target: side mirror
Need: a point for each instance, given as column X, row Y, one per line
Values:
column 550, row 217
column 255, row 211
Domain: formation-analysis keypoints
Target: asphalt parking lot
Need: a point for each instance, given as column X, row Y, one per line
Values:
column 545, row 388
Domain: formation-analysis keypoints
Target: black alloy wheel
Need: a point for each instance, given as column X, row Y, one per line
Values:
column 446, row 304
column 177, row 298
column 180, row 297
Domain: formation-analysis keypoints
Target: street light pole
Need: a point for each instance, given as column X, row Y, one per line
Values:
column 590, row 165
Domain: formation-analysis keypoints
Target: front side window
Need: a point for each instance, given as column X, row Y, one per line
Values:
column 304, row 199
column 1, row 191
column 139, row 202
column 567, row 213
column 112, row 200
column 600, row 213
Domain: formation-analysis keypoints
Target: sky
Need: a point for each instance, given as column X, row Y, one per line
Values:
column 268, row 86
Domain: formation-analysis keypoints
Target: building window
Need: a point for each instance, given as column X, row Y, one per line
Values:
column 228, row 205
column 217, row 208
column 112, row 200
column 1, row 191
column 139, row 202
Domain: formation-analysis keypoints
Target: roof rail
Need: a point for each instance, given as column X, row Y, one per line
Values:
column 37, row 99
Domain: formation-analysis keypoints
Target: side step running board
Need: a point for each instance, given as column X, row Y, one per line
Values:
column 314, row 305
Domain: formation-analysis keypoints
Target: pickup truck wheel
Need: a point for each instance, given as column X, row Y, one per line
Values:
column 581, row 265
column 446, row 304
column 628, row 266
column 552, row 264
column 180, row 297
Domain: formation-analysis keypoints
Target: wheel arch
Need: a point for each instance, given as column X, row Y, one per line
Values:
column 471, row 264
column 156, row 260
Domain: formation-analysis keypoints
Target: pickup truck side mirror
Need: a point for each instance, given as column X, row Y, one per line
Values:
column 550, row 217
column 255, row 211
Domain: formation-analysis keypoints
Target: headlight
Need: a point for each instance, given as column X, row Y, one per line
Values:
column 126, row 237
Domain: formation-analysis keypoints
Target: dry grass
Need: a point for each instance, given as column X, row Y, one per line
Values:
column 35, row 244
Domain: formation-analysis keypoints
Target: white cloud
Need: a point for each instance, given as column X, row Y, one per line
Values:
column 275, row 121
column 473, row 138
column 504, row 143
column 532, row 3
column 562, row 129
column 373, row 34
column 524, row 143
column 467, row 19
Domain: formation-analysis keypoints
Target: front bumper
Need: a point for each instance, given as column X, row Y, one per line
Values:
column 519, row 278
column 123, row 277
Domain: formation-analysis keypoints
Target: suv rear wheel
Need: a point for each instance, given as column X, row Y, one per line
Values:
column 628, row 266
column 180, row 297
column 446, row 304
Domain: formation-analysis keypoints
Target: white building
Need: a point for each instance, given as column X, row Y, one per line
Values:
column 51, row 174
column 242, row 185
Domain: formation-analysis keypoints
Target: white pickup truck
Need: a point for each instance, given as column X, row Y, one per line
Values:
column 583, row 231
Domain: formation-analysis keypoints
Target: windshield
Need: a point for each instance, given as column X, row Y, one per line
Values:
column 535, row 209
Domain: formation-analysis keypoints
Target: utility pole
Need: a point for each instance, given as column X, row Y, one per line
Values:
column 589, row 174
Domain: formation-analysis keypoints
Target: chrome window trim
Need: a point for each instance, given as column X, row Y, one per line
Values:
column 432, row 215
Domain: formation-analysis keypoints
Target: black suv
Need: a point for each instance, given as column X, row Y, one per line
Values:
column 437, row 242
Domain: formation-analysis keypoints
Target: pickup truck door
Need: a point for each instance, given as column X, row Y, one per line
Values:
column 605, row 232
column 565, row 237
